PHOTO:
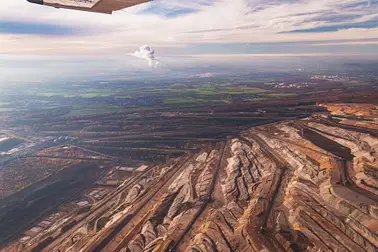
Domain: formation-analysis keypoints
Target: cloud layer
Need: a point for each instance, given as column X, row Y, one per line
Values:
column 176, row 24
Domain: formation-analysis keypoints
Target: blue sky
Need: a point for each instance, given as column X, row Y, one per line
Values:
column 30, row 28
column 195, row 28
column 180, row 24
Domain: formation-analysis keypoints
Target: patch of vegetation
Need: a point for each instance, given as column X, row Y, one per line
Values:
column 155, row 220
column 84, row 210
column 101, row 223
column 180, row 100
column 278, row 95
column 94, row 109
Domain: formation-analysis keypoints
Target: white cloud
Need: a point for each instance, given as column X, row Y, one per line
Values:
column 147, row 53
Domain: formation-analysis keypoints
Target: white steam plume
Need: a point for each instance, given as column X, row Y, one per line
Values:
column 147, row 53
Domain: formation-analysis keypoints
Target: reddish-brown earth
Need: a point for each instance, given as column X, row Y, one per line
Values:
column 298, row 185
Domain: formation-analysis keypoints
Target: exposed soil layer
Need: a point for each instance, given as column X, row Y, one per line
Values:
column 291, row 178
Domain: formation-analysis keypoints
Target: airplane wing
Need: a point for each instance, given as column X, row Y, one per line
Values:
column 101, row 6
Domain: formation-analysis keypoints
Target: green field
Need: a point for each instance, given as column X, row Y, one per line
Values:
column 89, row 98
column 94, row 109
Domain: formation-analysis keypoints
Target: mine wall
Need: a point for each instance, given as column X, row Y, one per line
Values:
column 296, row 185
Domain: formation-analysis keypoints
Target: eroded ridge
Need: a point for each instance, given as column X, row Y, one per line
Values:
column 299, row 185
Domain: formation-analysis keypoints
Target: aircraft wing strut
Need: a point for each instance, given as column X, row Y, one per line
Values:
column 101, row 6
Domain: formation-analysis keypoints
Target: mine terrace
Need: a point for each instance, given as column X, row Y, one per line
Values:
column 201, row 164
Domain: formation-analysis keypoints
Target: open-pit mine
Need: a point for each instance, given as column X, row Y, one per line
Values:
column 307, row 184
